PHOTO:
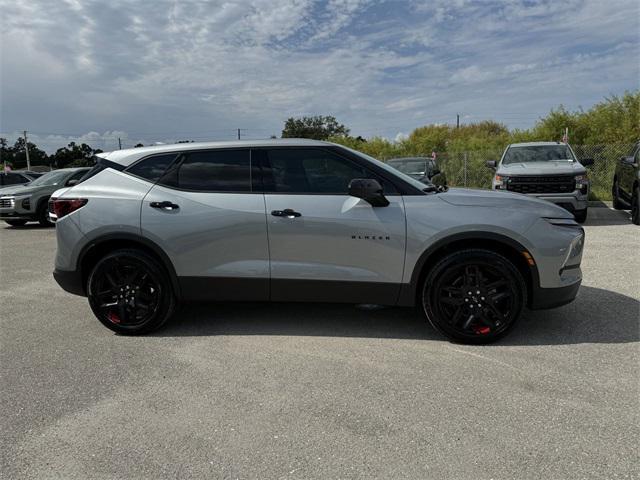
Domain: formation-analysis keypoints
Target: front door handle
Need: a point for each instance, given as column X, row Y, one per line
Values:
column 166, row 205
column 289, row 213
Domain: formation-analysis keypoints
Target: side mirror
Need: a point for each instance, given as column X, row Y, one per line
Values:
column 491, row 163
column 369, row 190
column 628, row 160
column 586, row 162
column 71, row 183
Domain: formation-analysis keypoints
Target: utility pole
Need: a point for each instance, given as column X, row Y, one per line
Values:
column 238, row 134
column 119, row 144
column 26, row 150
column 457, row 120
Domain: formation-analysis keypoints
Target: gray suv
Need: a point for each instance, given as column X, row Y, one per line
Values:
column 547, row 170
column 28, row 203
column 305, row 221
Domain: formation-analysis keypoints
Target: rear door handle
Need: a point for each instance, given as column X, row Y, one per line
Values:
column 166, row 205
column 289, row 213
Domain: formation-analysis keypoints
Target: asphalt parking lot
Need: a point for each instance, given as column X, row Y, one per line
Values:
column 320, row 391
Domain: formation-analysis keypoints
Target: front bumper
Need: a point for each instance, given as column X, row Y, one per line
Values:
column 70, row 281
column 543, row 298
column 570, row 201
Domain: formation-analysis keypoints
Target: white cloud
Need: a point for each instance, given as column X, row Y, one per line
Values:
column 168, row 70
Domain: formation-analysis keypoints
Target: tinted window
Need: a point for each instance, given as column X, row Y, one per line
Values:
column 13, row 179
column 312, row 171
column 78, row 175
column 213, row 171
column 151, row 168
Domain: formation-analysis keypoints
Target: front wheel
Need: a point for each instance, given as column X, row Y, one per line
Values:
column 580, row 215
column 474, row 296
column 130, row 292
column 635, row 206
column 16, row 223
column 43, row 215
column 615, row 196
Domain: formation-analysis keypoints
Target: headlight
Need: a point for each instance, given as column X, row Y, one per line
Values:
column 582, row 183
column 501, row 181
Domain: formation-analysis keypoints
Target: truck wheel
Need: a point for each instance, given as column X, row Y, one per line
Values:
column 615, row 196
column 43, row 215
column 16, row 223
column 580, row 215
column 635, row 206
column 130, row 292
column 474, row 296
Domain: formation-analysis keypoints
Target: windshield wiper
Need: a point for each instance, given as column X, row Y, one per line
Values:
column 435, row 188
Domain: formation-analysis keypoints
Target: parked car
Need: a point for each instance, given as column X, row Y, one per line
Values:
column 305, row 221
column 626, row 184
column 28, row 203
column 16, row 177
column 423, row 169
column 546, row 170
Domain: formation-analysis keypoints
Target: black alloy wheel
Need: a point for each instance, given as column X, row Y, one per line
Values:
column 16, row 223
column 43, row 215
column 635, row 206
column 130, row 292
column 615, row 196
column 474, row 296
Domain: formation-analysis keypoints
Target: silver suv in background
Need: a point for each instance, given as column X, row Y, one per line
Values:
column 305, row 221
column 28, row 203
column 546, row 170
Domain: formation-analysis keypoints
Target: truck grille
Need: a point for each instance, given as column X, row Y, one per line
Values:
column 7, row 202
column 542, row 184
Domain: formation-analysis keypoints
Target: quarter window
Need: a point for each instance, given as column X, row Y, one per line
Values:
column 312, row 171
column 150, row 168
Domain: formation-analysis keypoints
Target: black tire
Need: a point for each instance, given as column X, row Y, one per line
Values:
column 16, row 223
column 635, row 206
column 130, row 292
column 473, row 318
column 43, row 215
column 615, row 196
column 580, row 215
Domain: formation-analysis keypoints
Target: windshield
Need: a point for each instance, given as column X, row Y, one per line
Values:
column 51, row 178
column 415, row 167
column 393, row 171
column 538, row 153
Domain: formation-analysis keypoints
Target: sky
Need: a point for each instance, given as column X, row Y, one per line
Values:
column 161, row 71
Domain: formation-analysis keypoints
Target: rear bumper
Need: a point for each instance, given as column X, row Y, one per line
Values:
column 70, row 281
column 543, row 298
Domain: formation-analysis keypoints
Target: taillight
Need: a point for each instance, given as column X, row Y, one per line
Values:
column 64, row 206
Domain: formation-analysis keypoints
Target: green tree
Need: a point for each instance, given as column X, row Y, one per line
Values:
column 19, row 157
column 318, row 127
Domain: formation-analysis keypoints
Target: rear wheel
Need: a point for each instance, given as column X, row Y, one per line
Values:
column 615, row 196
column 580, row 215
column 130, row 292
column 16, row 223
column 473, row 296
column 635, row 205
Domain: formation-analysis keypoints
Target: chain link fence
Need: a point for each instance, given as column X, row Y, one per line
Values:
column 468, row 169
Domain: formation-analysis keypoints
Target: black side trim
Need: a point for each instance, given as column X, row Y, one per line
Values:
column 224, row 289
column 129, row 237
column 70, row 281
column 543, row 298
column 408, row 293
column 293, row 290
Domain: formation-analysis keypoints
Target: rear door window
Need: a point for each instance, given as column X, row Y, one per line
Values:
column 212, row 171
